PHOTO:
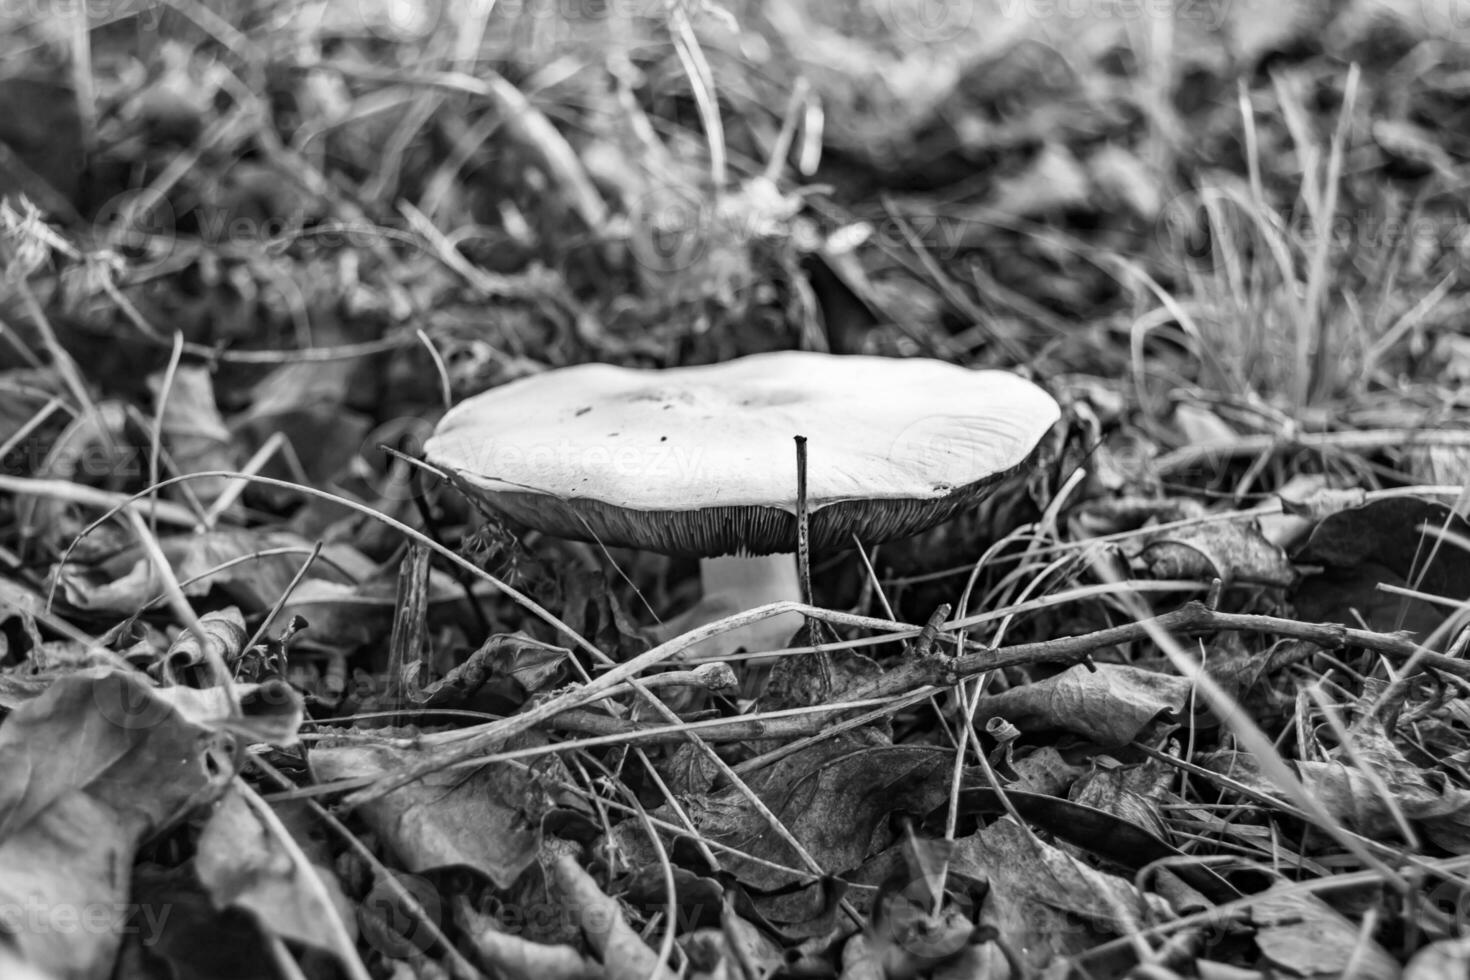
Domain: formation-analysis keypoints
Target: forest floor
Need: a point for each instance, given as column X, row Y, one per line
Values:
column 1185, row 698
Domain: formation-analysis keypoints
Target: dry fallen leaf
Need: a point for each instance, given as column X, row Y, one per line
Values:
column 245, row 564
column 244, row 865
column 487, row 819
column 837, row 798
column 1109, row 704
column 1044, row 901
column 1298, row 932
column 194, row 432
column 88, row 771
column 1232, row 551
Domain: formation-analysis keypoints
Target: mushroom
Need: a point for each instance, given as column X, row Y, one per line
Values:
column 700, row 461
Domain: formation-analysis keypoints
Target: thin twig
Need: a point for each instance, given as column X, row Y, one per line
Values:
column 803, row 534
column 922, row 673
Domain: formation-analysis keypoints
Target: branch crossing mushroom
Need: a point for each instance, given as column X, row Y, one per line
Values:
column 699, row 461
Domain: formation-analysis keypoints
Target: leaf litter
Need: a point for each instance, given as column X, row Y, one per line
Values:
column 245, row 252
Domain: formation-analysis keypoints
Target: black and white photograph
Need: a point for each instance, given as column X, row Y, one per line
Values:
column 734, row 489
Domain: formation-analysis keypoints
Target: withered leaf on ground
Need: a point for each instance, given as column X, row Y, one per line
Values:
column 1132, row 793
column 533, row 665
column 1392, row 541
column 487, row 818
column 242, row 864
column 194, row 432
column 1098, row 832
column 1399, row 533
column 88, row 770
column 1369, row 801
column 1044, row 901
column 1298, row 932
column 835, row 798
column 345, row 615
column 1232, row 551
column 1110, row 704
column 127, row 582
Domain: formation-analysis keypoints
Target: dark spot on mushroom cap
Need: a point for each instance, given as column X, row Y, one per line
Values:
column 583, row 411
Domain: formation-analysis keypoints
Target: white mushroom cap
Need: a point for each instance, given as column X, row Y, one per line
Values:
column 701, row 460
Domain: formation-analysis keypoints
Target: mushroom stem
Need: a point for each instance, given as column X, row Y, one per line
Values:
column 733, row 584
